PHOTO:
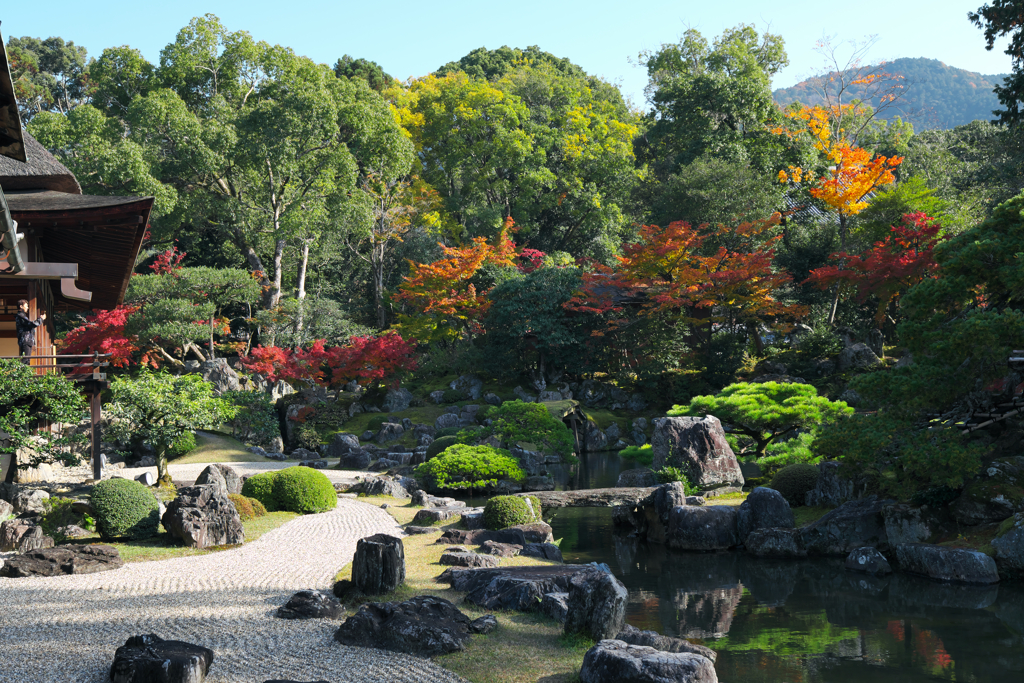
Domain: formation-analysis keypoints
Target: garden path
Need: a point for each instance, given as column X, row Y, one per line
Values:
column 66, row 629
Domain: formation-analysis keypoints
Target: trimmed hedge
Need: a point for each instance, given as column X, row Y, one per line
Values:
column 304, row 489
column 261, row 487
column 124, row 509
column 502, row 512
column 794, row 481
column 469, row 467
column 438, row 446
column 257, row 507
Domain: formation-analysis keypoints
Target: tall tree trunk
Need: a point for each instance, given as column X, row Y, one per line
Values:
column 272, row 297
column 377, row 260
column 300, row 292
column 212, row 356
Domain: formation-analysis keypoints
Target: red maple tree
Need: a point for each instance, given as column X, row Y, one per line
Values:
column 889, row 267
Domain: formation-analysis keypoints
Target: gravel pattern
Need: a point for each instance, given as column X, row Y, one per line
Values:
column 66, row 629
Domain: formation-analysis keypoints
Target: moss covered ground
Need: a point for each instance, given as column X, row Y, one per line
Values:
column 215, row 447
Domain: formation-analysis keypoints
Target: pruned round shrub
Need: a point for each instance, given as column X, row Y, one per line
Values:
column 794, row 481
column 453, row 396
column 447, row 431
column 243, row 506
column 185, row 444
column 261, row 487
column 502, row 512
column 257, row 507
column 304, row 489
column 515, row 421
column 469, row 467
column 124, row 509
column 439, row 445
column 642, row 455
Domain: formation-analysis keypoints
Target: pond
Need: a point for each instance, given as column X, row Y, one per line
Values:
column 806, row 620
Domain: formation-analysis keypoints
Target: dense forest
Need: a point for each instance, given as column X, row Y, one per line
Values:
column 510, row 214
column 937, row 95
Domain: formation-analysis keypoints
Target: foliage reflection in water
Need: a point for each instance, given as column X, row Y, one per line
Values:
column 812, row 621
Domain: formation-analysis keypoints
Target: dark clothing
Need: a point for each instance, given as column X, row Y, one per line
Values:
column 26, row 332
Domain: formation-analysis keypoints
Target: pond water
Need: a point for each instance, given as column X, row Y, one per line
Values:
column 806, row 620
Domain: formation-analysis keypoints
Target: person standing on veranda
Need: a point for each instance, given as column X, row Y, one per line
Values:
column 26, row 328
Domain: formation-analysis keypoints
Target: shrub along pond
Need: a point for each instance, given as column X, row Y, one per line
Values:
column 806, row 620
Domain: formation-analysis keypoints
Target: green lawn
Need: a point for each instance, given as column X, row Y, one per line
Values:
column 215, row 447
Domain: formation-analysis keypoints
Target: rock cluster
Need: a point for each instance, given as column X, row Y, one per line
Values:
column 203, row 516
column 64, row 559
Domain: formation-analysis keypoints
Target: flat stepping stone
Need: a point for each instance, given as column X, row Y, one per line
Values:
column 422, row 529
column 433, row 515
column 468, row 560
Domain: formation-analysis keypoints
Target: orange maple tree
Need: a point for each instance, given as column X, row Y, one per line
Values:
column 442, row 292
column 674, row 272
column 853, row 174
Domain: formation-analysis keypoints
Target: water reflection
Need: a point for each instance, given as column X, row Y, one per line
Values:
column 807, row 620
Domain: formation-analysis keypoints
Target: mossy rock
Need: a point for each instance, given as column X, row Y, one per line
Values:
column 243, row 506
column 794, row 481
column 996, row 493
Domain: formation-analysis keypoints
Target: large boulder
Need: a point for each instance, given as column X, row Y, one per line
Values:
column 397, row 400
column 467, row 559
column 23, row 535
column 6, row 509
column 774, row 543
column 908, row 524
column 384, row 486
column 1009, row 546
column 868, row 560
column 355, row 459
column 151, row 659
column 311, row 605
column 202, row 517
column 446, row 421
column 631, row 635
column 542, row 551
column 30, row 501
column 425, row 626
column 64, row 559
column 220, row 375
column 697, row 446
column 594, row 439
column 994, row 495
column 703, row 528
column 641, row 477
column 857, row 357
column 831, row 490
column 341, row 445
column 222, row 476
column 613, row 661
column 851, row 525
column 520, row 589
column 479, row 536
column 379, row 564
column 470, row 385
column 596, row 604
column 764, row 508
column 956, row 565
column 390, row 431
column 535, row 532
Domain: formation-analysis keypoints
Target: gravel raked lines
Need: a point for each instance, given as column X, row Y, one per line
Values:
column 66, row 629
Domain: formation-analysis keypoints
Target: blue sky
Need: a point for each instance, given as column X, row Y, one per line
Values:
column 414, row 38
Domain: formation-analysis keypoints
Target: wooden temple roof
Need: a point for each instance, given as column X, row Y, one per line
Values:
column 41, row 172
column 101, row 234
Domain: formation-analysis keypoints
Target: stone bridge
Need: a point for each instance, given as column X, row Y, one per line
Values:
column 592, row 498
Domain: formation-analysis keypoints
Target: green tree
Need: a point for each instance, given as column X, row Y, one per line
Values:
column 1000, row 19
column 766, row 412
column 529, row 330
column 370, row 71
column 157, row 408
column 711, row 97
column 27, row 401
column 180, row 309
column 49, row 75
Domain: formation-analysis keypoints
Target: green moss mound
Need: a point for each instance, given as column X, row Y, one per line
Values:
column 304, row 490
column 642, row 455
column 124, row 509
column 440, row 445
column 243, row 506
column 261, row 487
column 502, row 512
column 794, row 481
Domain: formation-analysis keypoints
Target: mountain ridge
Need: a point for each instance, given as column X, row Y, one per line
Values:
column 938, row 95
